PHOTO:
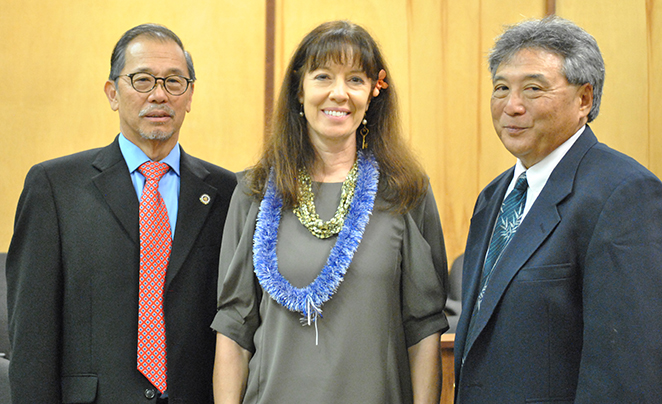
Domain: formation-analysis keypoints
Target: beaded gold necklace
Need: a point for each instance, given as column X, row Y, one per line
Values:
column 307, row 214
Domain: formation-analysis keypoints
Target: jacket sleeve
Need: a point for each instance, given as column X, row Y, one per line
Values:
column 622, row 281
column 34, row 295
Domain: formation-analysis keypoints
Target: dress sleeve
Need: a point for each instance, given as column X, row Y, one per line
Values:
column 424, row 272
column 238, row 291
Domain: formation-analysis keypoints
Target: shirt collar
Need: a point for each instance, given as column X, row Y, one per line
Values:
column 538, row 174
column 134, row 157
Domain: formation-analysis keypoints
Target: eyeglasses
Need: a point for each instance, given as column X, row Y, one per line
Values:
column 144, row 82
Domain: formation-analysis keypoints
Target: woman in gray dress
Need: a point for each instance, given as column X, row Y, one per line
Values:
column 333, row 271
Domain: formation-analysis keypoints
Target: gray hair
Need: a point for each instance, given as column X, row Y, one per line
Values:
column 582, row 61
column 154, row 31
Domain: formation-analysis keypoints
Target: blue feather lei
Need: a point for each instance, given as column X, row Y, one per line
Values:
column 309, row 300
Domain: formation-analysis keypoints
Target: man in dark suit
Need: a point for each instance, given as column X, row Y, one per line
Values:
column 75, row 266
column 562, row 281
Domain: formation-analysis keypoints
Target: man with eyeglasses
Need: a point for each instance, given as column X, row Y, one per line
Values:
column 112, row 269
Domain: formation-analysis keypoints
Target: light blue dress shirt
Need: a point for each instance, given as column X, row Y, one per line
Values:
column 169, row 184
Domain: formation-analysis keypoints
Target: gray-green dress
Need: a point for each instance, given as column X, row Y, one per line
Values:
column 392, row 297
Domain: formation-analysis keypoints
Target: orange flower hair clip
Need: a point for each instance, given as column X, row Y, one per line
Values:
column 380, row 83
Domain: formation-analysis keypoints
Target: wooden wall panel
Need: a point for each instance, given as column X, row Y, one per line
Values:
column 654, row 49
column 226, row 124
column 621, row 32
column 426, row 34
column 445, row 61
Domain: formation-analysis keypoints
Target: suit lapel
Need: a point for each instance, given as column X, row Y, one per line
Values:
column 478, row 243
column 114, row 183
column 537, row 226
column 483, row 218
column 193, row 211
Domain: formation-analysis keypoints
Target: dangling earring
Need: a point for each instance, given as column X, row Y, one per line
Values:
column 364, row 132
column 301, row 112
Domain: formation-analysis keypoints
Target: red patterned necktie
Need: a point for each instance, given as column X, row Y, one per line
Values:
column 155, row 244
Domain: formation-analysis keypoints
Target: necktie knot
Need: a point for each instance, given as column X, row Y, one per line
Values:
column 521, row 185
column 153, row 170
column 513, row 205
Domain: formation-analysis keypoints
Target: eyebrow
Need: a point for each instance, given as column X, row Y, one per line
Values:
column 535, row 76
column 355, row 69
column 540, row 77
column 170, row 72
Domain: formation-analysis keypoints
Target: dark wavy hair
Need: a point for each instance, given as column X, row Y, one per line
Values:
column 288, row 147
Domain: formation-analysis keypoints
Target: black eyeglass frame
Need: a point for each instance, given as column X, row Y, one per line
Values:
column 156, row 81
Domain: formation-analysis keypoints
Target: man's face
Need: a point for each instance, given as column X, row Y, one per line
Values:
column 534, row 108
column 156, row 115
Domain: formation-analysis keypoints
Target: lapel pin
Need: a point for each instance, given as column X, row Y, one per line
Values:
column 204, row 198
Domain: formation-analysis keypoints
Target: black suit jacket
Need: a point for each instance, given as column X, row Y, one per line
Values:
column 573, row 312
column 72, row 273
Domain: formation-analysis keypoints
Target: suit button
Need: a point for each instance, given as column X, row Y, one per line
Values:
column 150, row 393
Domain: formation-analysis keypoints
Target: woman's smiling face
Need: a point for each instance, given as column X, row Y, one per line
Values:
column 335, row 98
